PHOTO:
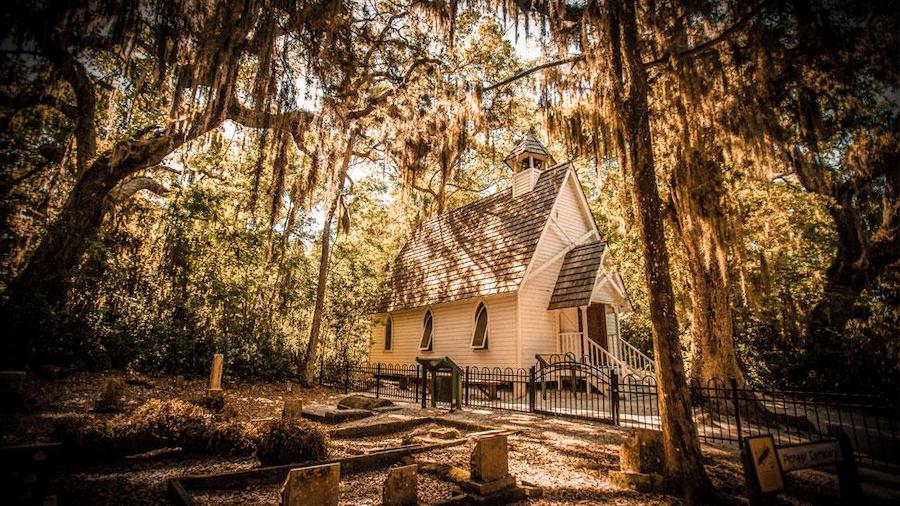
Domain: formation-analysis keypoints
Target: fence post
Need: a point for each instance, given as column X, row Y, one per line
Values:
column 417, row 382
column 424, row 389
column 377, row 379
column 737, row 411
column 614, row 396
column 466, row 385
column 346, row 376
column 531, row 389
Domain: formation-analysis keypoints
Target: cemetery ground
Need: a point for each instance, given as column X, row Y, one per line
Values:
column 569, row 460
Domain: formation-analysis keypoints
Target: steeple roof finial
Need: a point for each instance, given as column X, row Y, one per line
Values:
column 528, row 146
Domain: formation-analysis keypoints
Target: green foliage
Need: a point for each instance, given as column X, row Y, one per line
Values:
column 291, row 440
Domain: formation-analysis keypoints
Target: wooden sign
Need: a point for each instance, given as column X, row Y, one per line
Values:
column 765, row 465
column 803, row 456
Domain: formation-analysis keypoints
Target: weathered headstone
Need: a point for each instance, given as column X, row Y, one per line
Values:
column 643, row 452
column 400, row 487
column 179, row 381
column 490, row 459
column 293, row 409
column 215, row 374
column 312, row 486
column 489, row 467
column 111, row 396
column 642, row 462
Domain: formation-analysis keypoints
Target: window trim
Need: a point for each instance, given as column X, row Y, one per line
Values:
column 487, row 325
column 389, row 341
column 430, row 347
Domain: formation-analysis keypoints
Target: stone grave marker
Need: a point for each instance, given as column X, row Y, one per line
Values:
column 489, row 466
column 215, row 373
column 400, row 487
column 490, row 459
column 111, row 397
column 312, row 486
column 293, row 409
column 642, row 462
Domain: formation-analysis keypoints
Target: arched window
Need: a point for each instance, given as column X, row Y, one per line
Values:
column 480, row 338
column 427, row 332
column 388, row 334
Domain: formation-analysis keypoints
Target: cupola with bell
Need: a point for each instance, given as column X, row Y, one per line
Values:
column 527, row 160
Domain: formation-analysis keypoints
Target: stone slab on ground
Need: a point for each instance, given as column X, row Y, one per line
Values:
column 388, row 409
column 641, row 482
column 331, row 415
column 312, row 486
column 489, row 487
column 363, row 402
column 400, row 487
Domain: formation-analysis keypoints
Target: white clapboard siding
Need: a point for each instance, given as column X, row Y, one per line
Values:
column 568, row 320
column 538, row 324
column 454, row 324
column 538, row 327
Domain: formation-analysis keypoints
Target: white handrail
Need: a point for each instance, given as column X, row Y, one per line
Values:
column 632, row 356
column 598, row 357
column 622, row 355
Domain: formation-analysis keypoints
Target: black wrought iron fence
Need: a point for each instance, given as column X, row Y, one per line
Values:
column 497, row 388
column 723, row 412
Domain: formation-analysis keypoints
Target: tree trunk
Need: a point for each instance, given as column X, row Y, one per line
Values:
column 308, row 376
column 697, row 201
column 47, row 276
column 683, row 458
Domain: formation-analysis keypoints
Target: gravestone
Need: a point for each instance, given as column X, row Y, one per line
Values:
column 111, row 396
column 643, row 452
column 642, row 462
column 490, row 459
column 312, row 486
column 179, row 381
column 293, row 409
column 489, row 467
column 400, row 487
column 215, row 373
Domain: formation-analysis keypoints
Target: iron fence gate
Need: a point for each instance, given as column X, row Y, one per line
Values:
column 575, row 389
column 723, row 412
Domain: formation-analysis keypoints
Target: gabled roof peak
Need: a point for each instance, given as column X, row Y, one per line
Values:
column 529, row 145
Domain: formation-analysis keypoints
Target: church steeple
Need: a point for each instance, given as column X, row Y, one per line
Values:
column 529, row 153
column 527, row 160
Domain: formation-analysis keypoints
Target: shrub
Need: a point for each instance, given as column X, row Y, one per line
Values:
column 156, row 424
column 291, row 440
column 228, row 438
column 85, row 434
column 163, row 423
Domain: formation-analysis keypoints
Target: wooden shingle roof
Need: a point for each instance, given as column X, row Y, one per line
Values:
column 480, row 249
column 576, row 277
